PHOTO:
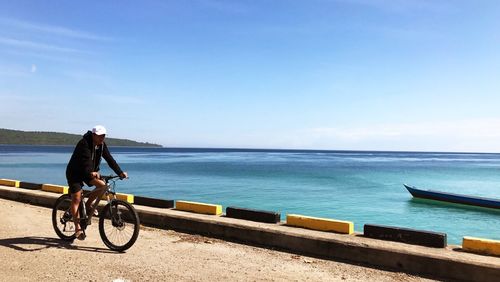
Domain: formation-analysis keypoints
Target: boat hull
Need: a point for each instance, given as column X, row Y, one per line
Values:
column 453, row 198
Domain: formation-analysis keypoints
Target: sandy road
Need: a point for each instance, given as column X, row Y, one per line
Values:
column 31, row 251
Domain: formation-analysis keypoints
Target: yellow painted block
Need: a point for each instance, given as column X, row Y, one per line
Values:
column 124, row 197
column 198, row 207
column 55, row 188
column 322, row 224
column 9, row 182
column 482, row 246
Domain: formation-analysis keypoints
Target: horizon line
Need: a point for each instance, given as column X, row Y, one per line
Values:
column 268, row 149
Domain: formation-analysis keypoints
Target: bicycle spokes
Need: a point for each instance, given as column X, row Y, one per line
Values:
column 62, row 220
column 118, row 222
column 119, row 225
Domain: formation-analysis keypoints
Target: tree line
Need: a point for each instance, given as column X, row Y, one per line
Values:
column 18, row 137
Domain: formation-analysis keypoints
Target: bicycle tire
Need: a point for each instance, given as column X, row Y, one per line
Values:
column 112, row 225
column 61, row 206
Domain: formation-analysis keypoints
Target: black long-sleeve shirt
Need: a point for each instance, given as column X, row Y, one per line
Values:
column 86, row 159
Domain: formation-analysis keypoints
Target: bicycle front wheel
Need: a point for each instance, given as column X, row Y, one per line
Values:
column 62, row 220
column 119, row 225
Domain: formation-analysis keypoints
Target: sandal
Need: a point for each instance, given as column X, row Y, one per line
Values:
column 80, row 235
column 96, row 213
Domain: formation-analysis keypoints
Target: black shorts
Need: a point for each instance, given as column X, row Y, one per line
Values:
column 76, row 186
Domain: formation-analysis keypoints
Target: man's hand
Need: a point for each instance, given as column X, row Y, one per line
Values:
column 123, row 175
column 95, row 174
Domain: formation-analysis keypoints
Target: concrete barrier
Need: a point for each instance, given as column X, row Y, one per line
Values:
column 55, row 188
column 31, row 186
column 120, row 196
column 34, row 197
column 323, row 224
column 198, row 207
column 152, row 202
column 481, row 246
column 253, row 215
column 405, row 235
column 441, row 263
column 9, row 182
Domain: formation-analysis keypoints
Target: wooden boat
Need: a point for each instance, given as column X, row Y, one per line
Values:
column 454, row 198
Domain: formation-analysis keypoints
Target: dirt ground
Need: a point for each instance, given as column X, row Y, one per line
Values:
column 31, row 251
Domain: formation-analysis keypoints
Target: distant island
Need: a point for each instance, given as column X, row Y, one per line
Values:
column 18, row 137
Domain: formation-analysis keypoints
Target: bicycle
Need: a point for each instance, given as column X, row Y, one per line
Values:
column 118, row 220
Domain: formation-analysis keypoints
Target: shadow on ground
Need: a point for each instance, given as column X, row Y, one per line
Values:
column 31, row 244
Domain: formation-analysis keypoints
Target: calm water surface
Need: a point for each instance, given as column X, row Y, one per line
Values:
column 363, row 187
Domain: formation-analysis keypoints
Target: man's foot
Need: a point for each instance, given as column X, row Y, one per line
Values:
column 80, row 235
column 96, row 213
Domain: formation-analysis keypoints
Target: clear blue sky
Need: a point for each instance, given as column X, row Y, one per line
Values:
column 318, row 74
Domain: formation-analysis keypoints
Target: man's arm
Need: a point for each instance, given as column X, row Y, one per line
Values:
column 111, row 162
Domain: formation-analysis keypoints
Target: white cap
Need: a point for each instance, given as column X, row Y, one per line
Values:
column 99, row 130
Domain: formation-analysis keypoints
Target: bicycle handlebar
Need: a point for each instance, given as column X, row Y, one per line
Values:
column 109, row 177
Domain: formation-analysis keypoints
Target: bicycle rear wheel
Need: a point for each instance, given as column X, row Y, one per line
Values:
column 119, row 225
column 62, row 220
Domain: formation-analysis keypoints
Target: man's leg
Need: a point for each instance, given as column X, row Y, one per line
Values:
column 100, row 188
column 76, row 198
column 75, row 188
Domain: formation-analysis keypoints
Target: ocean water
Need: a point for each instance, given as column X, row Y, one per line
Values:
column 359, row 186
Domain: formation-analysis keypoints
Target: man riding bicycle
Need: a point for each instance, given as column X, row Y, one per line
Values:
column 83, row 168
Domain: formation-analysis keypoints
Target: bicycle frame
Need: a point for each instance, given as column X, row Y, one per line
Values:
column 109, row 193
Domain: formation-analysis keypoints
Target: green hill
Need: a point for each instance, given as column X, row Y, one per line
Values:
column 17, row 137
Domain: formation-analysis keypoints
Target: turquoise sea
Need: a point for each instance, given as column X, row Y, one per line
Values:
column 359, row 186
